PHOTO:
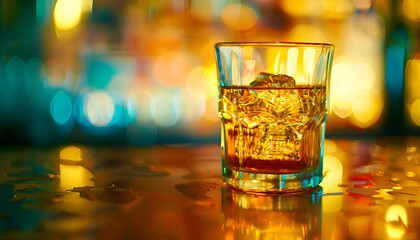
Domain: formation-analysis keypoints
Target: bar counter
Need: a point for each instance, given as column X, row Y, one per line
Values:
column 371, row 190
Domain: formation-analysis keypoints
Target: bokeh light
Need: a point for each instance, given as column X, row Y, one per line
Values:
column 355, row 92
column 71, row 153
column 337, row 9
column 415, row 112
column 166, row 107
column 61, row 108
column 412, row 89
column 196, row 81
column 333, row 170
column 307, row 33
column 396, row 221
column 342, row 97
column 67, row 13
column 74, row 176
column 239, row 17
column 100, row 108
column 365, row 77
column 141, row 98
column 171, row 69
column 300, row 8
column 87, row 6
column 365, row 110
column 79, row 110
column 411, row 9
column 193, row 106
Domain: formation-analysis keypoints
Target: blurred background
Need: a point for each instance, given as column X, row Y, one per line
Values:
column 143, row 72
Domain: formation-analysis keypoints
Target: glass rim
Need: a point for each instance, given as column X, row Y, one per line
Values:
column 273, row 44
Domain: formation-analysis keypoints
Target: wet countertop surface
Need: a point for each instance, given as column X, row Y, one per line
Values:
column 371, row 190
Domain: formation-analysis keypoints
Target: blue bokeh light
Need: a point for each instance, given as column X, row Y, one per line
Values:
column 61, row 108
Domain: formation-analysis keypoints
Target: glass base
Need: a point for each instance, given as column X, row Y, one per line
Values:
column 264, row 183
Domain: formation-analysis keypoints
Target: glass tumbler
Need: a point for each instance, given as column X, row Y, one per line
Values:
column 273, row 104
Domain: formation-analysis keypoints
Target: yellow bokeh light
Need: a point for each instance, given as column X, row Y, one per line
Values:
column 342, row 96
column 412, row 89
column 87, row 6
column 364, row 108
column 67, row 13
column 299, row 8
column 307, row 33
column 342, row 75
column 364, row 76
column 337, row 8
column 396, row 221
column 411, row 9
column 196, row 81
column 333, row 170
column 211, row 81
column 329, row 146
column 239, row 17
column 71, row 153
column 342, row 101
column 74, row 176
column 193, row 106
column 415, row 112
column 413, row 73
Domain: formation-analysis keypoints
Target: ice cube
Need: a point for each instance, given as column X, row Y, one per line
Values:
column 248, row 98
column 264, row 79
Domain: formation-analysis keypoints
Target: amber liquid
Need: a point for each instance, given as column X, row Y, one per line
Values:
column 272, row 130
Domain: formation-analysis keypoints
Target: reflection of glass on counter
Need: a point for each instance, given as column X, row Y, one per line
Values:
column 291, row 216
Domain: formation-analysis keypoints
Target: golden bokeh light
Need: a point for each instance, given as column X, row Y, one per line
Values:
column 415, row 112
column 239, row 17
column 355, row 93
column 196, row 81
column 365, row 110
column 411, row 10
column 364, row 76
column 71, row 153
column 329, row 146
column 193, row 106
column 87, row 6
column 342, row 99
column 396, row 221
column 211, row 81
column 67, row 13
column 74, row 176
column 307, row 33
column 171, row 69
column 333, row 170
column 299, row 8
column 334, row 173
column 412, row 89
column 337, row 9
